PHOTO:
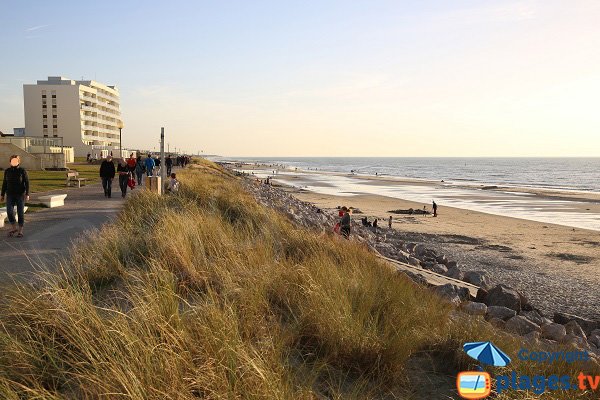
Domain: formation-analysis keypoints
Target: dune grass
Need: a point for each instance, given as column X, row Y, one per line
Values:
column 208, row 295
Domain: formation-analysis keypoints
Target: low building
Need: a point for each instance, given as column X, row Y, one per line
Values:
column 36, row 152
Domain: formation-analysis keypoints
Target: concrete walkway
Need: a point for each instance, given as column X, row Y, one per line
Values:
column 49, row 232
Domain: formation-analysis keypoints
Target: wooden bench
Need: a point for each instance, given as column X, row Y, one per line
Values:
column 73, row 178
column 53, row 200
column 4, row 215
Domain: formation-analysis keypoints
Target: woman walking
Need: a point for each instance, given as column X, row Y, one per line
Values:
column 123, row 171
column 16, row 189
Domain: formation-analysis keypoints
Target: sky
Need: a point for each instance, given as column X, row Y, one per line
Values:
column 323, row 78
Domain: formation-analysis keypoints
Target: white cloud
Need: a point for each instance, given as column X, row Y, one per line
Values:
column 37, row 27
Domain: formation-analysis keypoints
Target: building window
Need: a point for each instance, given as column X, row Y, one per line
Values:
column 53, row 96
column 54, row 116
column 45, row 116
column 43, row 96
column 46, row 126
column 55, row 126
column 54, row 132
column 44, row 106
column 53, row 105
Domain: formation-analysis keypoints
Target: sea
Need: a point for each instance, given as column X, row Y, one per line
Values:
column 466, row 183
column 573, row 174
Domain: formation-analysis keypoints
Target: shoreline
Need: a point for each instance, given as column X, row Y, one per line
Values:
column 580, row 210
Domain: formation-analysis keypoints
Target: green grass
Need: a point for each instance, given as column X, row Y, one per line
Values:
column 207, row 294
column 43, row 181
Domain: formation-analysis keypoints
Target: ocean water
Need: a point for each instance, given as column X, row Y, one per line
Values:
column 579, row 174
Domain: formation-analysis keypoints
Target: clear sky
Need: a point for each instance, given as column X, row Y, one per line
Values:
column 324, row 78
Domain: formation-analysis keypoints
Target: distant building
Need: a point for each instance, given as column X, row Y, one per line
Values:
column 86, row 114
column 19, row 132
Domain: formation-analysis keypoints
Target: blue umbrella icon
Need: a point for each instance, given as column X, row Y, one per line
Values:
column 486, row 353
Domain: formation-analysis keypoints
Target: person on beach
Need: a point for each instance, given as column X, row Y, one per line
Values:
column 139, row 170
column 434, row 206
column 123, row 171
column 15, row 188
column 390, row 222
column 345, row 223
column 375, row 225
column 149, row 163
column 107, row 174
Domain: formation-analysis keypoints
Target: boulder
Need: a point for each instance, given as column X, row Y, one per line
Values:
column 414, row 262
column 419, row 250
column 594, row 339
column 587, row 325
column 574, row 328
column 454, row 272
column 439, row 268
column 501, row 295
column 554, row 331
column 451, row 292
column 498, row 323
column 477, row 278
column 481, row 295
column 535, row 317
column 441, row 259
column 427, row 264
column 473, row 308
column 451, row 264
column 533, row 336
column 500, row 312
column 574, row 340
column 521, row 325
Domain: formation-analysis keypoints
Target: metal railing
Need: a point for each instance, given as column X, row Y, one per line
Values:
column 28, row 142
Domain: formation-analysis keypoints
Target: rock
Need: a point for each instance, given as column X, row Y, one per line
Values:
column 413, row 261
column 441, row 259
column 501, row 295
column 594, row 339
column 574, row 328
column 410, row 247
column 427, row 264
column 473, row 308
column 481, row 295
column 586, row 324
column 451, row 264
column 500, row 312
column 450, row 292
column 521, row 325
column 419, row 250
column 440, row 269
column 532, row 336
column 554, row 331
column 477, row 278
column 498, row 323
column 572, row 339
column 454, row 272
column 535, row 317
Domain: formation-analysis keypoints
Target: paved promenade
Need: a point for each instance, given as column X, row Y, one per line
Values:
column 49, row 232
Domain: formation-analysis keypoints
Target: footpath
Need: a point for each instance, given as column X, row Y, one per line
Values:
column 49, row 232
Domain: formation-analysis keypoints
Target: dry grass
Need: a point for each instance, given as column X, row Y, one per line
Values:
column 209, row 295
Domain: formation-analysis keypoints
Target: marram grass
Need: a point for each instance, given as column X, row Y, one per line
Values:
column 208, row 295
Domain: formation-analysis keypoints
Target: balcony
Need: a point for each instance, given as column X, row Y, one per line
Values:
column 89, row 97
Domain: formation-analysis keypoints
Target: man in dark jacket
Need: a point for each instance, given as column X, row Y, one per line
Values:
column 16, row 189
column 107, row 173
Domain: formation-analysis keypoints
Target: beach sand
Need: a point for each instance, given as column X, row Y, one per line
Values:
column 557, row 267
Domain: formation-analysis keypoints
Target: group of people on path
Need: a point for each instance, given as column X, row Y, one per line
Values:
column 133, row 169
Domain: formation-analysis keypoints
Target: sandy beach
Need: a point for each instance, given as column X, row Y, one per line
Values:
column 557, row 266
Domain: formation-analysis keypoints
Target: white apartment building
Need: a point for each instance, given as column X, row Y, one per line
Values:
column 86, row 114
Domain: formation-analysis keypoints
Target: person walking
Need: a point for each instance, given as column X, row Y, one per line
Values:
column 390, row 222
column 15, row 188
column 123, row 171
column 169, row 165
column 139, row 170
column 107, row 173
column 149, row 165
column 435, row 206
column 345, row 223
